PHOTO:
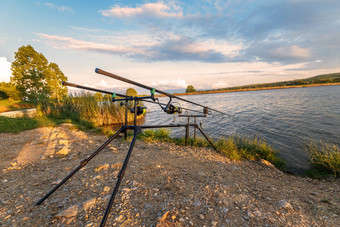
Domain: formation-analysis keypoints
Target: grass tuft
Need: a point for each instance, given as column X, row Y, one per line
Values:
column 324, row 160
column 150, row 136
column 256, row 149
column 16, row 125
column 229, row 148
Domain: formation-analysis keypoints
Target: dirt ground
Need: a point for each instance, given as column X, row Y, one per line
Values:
column 164, row 185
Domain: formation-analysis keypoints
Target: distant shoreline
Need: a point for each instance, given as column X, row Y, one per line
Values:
column 252, row 89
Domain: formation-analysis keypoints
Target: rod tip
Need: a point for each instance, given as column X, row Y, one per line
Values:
column 96, row 70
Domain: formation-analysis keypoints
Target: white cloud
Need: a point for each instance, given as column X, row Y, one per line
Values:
column 170, row 84
column 220, row 84
column 222, row 46
column 5, row 70
column 292, row 51
column 158, row 9
column 59, row 8
column 145, row 47
column 62, row 42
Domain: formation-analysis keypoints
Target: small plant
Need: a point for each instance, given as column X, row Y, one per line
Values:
column 229, row 148
column 256, row 149
column 324, row 159
column 150, row 136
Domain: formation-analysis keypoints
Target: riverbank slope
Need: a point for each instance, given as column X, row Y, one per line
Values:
column 185, row 185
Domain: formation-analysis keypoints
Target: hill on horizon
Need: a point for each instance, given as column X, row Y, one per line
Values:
column 319, row 79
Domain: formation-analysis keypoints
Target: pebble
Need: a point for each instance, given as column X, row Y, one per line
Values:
column 69, row 212
column 102, row 167
column 147, row 206
column 197, row 203
column 201, row 216
column 284, row 204
column 257, row 213
column 63, row 151
column 106, row 189
column 225, row 210
column 126, row 190
column 88, row 204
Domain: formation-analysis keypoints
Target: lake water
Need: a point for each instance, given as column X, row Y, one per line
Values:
column 287, row 119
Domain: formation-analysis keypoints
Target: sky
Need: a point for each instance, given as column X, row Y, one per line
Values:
column 173, row 44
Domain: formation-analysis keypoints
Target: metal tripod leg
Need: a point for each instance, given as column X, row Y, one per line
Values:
column 120, row 176
column 82, row 164
column 206, row 137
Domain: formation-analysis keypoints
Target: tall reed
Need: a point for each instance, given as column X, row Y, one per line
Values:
column 96, row 109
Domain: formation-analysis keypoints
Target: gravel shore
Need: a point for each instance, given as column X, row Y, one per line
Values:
column 164, row 185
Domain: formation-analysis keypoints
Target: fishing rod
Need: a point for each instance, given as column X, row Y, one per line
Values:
column 120, row 95
column 114, row 76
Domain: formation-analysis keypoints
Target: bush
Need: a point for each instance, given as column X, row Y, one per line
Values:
column 256, row 149
column 324, row 159
column 229, row 148
column 190, row 89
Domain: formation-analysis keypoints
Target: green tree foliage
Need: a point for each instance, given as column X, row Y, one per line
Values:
column 190, row 89
column 3, row 95
column 36, row 78
column 10, row 90
column 131, row 92
column 55, row 77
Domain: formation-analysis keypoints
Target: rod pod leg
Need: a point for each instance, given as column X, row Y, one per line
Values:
column 206, row 137
column 82, row 164
column 137, row 130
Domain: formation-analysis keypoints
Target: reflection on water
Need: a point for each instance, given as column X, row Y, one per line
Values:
column 286, row 118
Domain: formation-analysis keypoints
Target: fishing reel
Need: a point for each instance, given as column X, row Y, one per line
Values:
column 171, row 109
column 140, row 110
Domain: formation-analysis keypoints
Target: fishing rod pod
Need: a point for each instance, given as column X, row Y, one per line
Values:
column 168, row 108
column 114, row 76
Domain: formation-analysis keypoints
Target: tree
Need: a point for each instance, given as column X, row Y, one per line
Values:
column 55, row 77
column 36, row 78
column 190, row 89
column 131, row 92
